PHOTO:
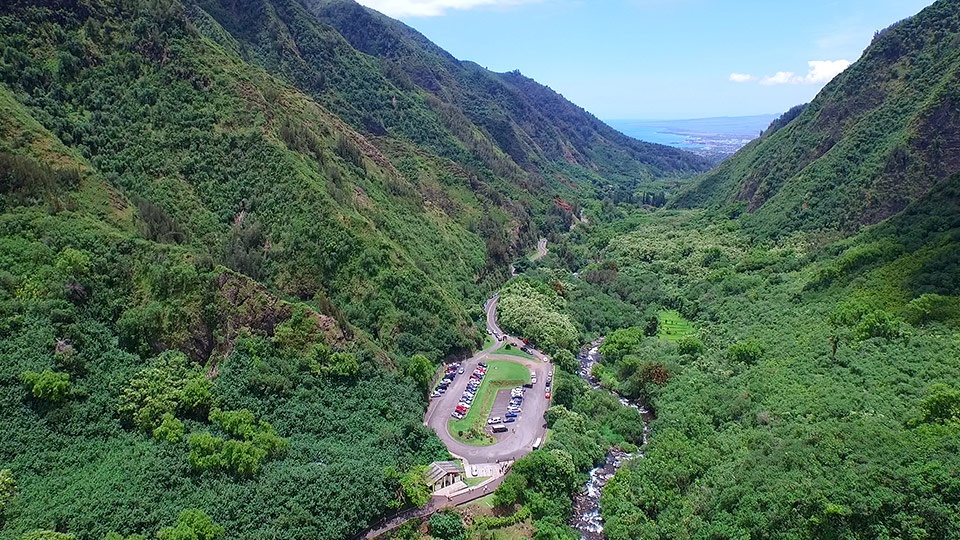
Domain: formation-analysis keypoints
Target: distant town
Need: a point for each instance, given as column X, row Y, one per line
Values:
column 714, row 138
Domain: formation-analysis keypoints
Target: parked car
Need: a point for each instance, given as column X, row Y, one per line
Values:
column 509, row 419
column 494, row 420
column 547, row 395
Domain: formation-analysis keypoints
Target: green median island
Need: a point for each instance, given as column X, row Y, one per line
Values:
column 510, row 350
column 501, row 374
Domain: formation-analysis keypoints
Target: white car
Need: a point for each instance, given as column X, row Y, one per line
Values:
column 494, row 420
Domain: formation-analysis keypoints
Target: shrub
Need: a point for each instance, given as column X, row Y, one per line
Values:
column 447, row 526
column 48, row 385
column 747, row 352
column 691, row 346
column 169, row 386
column 566, row 361
column 878, row 324
column 192, row 524
column 941, row 406
column 8, row 488
column 486, row 522
column 170, row 429
column 254, row 441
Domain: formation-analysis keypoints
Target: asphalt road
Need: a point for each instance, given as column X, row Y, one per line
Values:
column 541, row 250
column 524, row 432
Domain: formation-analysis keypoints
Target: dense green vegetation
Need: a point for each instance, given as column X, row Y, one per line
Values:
column 801, row 415
column 874, row 140
column 584, row 424
column 233, row 247
column 801, row 391
column 237, row 237
column 531, row 309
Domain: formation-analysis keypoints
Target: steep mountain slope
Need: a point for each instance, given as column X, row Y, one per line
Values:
column 233, row 249
column 533, row 124
column 86, row 300
column 876, row 138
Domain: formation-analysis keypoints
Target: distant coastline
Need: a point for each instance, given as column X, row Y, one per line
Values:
column 717, row 138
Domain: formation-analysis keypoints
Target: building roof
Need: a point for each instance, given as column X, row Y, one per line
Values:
column 441, row 469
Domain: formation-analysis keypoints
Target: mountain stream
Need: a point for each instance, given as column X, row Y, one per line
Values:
column 586, row 506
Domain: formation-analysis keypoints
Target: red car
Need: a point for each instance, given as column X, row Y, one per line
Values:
column 547, row 395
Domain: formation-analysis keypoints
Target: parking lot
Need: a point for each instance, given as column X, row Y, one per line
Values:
column 520, row 435
column 500, row 404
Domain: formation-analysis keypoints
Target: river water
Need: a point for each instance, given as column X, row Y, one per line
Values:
column 586, row 506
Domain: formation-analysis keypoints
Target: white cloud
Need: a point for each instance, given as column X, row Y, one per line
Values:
column 741, row 77
column 433, row 8
column 823, row 71
column 782, row 77
column 820, row 72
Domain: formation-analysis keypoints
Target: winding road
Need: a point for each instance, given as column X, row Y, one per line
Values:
column 541, row 250
column 496, row 458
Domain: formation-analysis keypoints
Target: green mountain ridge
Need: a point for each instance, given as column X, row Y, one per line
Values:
column 878, row 137
column 222, row 214
column 530, row 121
column 237, row 237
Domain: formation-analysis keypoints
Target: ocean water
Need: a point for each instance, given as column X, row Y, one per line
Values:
column 657, row 134
column 724, row 135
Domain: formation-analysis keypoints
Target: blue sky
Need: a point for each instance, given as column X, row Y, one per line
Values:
column 660, row 59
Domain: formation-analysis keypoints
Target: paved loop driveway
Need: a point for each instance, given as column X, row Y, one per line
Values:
column 513, row 445
column 523, row 433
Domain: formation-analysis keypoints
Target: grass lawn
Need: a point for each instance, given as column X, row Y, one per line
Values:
column 471, row 482
column 513, row 351
column 500, row 374
column 485, row 502
column 487, row 342
column 673, row 326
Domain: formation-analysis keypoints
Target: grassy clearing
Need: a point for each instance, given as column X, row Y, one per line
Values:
column 487, row 342
column 500, row 374
column 510, row 350
column 483, row 502
column 471, row 482
column 673, row 326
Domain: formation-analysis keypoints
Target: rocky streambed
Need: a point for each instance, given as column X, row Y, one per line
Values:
column 586, row 506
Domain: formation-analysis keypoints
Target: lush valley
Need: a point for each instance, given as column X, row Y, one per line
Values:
column 237, row 238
